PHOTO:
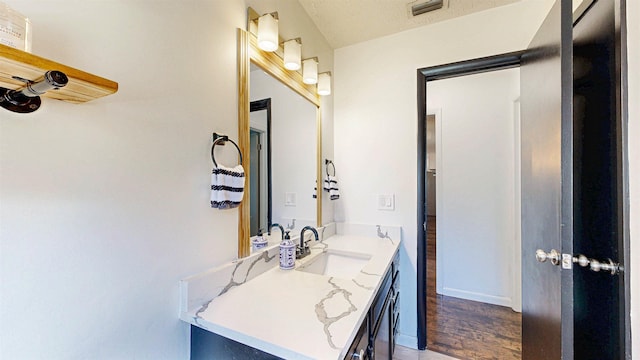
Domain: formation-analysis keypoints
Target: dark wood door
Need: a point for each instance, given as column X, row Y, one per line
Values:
column 599, row 297
column 546, row 128
column 572, row 186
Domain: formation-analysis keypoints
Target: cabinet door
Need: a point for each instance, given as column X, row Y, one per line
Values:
column 382, row 341
column 360, row 346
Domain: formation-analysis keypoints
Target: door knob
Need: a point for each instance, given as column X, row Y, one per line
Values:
column 595, row 265
column 553, row 256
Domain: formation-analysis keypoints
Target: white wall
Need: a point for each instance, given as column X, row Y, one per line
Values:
column 376, row 117
column 476, row 185
column 633, row 28
column 104, row 206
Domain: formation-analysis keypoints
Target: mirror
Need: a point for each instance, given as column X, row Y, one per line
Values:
column 283, row 155
column 286, row 124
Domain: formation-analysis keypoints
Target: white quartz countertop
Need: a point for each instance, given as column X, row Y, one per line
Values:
column 298, row 315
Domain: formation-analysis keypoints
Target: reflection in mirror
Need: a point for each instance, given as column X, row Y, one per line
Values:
column 260, row 165
column 290, row 139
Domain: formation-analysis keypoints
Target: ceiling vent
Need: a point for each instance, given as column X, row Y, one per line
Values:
column 425, row 7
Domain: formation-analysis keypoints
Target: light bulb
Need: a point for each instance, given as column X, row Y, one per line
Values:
column 268, row 33
column 324, row 84
column 310, row 71
column 292, row 54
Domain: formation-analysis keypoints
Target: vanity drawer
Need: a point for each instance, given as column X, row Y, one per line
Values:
column 380, row 301
column 395, row 265
column 396, row 321
column 394, row 337
column 395, row 300
column 395, row 310
column 395, row 270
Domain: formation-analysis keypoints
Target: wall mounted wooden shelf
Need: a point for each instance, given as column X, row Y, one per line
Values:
column 82, row 86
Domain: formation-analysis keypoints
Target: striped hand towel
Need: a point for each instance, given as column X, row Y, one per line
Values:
column 331, row 185
column 315, row 191
column 227, row 187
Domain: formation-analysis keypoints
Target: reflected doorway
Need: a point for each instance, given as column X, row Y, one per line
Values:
column 260, row 165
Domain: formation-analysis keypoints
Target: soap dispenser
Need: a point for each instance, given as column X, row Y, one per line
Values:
column 287, row 253
column 259, row 241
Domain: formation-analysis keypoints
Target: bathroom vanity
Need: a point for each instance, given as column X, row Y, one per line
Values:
column 340, row 301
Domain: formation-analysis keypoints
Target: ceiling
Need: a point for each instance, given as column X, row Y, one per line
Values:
column 347, row 22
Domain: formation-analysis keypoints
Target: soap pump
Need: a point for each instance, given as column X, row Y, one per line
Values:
column 287, row 253
column 259, row 241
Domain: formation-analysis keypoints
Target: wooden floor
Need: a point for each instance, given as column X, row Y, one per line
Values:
column 468, row 329
column 403, row 353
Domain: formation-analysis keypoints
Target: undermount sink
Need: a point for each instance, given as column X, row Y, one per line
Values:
column 342, row 264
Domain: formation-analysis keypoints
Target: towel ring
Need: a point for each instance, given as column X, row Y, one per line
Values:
column 327, row 162
column 221, row 139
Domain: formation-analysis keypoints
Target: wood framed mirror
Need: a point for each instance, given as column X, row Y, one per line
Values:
column 272, row 64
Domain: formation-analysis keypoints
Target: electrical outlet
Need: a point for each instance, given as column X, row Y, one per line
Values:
column 289, row 199
column 386, row 202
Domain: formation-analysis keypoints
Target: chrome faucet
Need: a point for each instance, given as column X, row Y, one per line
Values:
column 303, row 249
column 281, row 230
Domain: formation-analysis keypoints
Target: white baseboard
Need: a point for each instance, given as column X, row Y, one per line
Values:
column 407, row 341
column 485, row 298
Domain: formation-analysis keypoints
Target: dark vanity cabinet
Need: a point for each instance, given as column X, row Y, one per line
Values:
column 376, row 337
column 360, row 346
column 206, row 345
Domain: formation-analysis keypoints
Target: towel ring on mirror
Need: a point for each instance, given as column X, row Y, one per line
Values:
column 327, row 162
column 221, row 139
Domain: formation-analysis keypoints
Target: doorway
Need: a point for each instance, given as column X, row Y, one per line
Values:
column 471, row 237
column 566, row 324
column 260, row 167
column 476, row 66
column 257, row 183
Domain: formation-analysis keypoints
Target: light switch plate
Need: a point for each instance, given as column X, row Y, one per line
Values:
column 386, row 202
column 289, row 199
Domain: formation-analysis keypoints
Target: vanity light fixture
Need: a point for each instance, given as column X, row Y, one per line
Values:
column 310, row 71
column 324, row 83
column 268, row 32
column 292, row 54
